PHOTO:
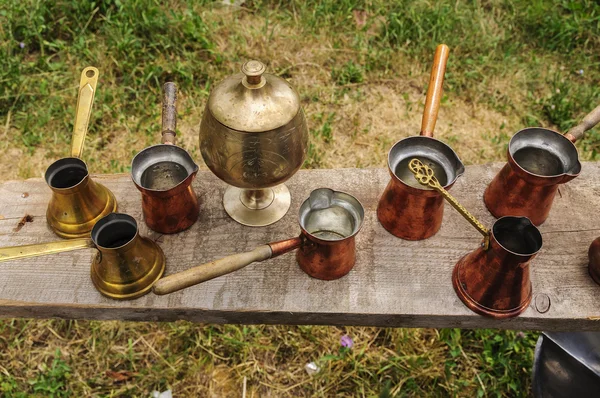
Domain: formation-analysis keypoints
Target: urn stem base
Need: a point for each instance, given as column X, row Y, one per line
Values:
column 257, row 207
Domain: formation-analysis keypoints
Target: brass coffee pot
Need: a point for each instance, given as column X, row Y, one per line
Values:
column 253, row 136
column 77, row 201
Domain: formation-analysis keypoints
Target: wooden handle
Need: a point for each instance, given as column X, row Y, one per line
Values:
column 588, row 122
column 208, row 271
column 41, row 249
column 85, row 100
column 169, row 113
column 434, row 91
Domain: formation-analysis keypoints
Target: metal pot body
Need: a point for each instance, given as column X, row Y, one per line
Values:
column 538, row 161
column 324, row 259
column 251, row 160
column 173, row 209
column 495, row 282
column 594, row 257
column 127, row 264
column 77, row 201
column 406, row 209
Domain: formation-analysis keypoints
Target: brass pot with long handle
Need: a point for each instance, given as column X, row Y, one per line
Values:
column 126, row 264
column 77, row 201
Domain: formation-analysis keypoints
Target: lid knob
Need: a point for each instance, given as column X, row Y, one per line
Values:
column 253, row 70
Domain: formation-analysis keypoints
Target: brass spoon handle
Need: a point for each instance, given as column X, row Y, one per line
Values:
column 85, row 100
column 424, row 174
column 41, row 249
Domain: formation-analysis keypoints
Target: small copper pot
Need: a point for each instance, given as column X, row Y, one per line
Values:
column 329, row 221
column 164, row 173
column 594, row 256
column 407, row 209
column 539, row 160
column 494, row 279
column 495, row 282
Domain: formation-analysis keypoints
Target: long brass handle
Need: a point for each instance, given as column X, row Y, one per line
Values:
column 425, row 176
column 588, row 122
column 41, row 249
column 85, row 100
column 435, row 90
column 211, row 270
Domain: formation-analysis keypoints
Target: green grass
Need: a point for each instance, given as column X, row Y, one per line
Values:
column 525, row 63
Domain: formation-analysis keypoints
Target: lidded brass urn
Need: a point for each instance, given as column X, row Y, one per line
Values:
column 253, row 136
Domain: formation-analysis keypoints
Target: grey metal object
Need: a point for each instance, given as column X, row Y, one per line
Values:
column 331, row 215
column 434, row 153
column 544, row 152
column 170, row 165
column 567, row 365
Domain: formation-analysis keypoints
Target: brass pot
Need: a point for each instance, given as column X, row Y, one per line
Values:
column 253, row 136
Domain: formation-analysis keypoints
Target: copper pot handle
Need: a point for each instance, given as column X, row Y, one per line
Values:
column 169, row 113
column 42, row 249
column 435, row 90
column 588, row 122
column 83, row 111
column 223, row 266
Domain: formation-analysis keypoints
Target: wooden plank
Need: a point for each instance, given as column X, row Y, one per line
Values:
column 394, row 283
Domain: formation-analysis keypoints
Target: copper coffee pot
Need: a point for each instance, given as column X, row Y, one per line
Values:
column 164, row 173
column 126, row 264
column 77, row 201
column 538, row 161
column 329, row 221
column 594, row 256
column 494, row 279
column 406, row 209
column 254, row 137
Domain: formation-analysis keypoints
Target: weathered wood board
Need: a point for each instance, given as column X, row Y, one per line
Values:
column 394, row 283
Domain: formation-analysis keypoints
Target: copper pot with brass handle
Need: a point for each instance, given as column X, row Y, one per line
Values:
column 494, row 279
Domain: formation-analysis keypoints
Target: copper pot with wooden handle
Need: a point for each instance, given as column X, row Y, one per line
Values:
column 407, row 209
column 539, row 160
column 329, row 221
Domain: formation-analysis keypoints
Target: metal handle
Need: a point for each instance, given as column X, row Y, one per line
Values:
column 169, row 113
column 425, row 176
column 42, row 249
column 588, row 122
column 435, row 90
column 85, row 100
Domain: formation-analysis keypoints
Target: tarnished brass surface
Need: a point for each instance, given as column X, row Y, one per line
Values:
column 85, row 99
column 126, row 264
column 73, row 212
column 425, row 176
column 15, row 252
column 253, row 135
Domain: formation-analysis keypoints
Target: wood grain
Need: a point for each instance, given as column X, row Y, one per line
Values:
column 394, row 282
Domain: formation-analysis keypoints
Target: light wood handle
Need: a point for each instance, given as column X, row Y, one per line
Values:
column 208, row 271
column 85, row 100
column 435, row 90
column 588, row 122
column 41, row 249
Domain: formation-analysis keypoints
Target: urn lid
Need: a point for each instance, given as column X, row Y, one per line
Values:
column 254, row 101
